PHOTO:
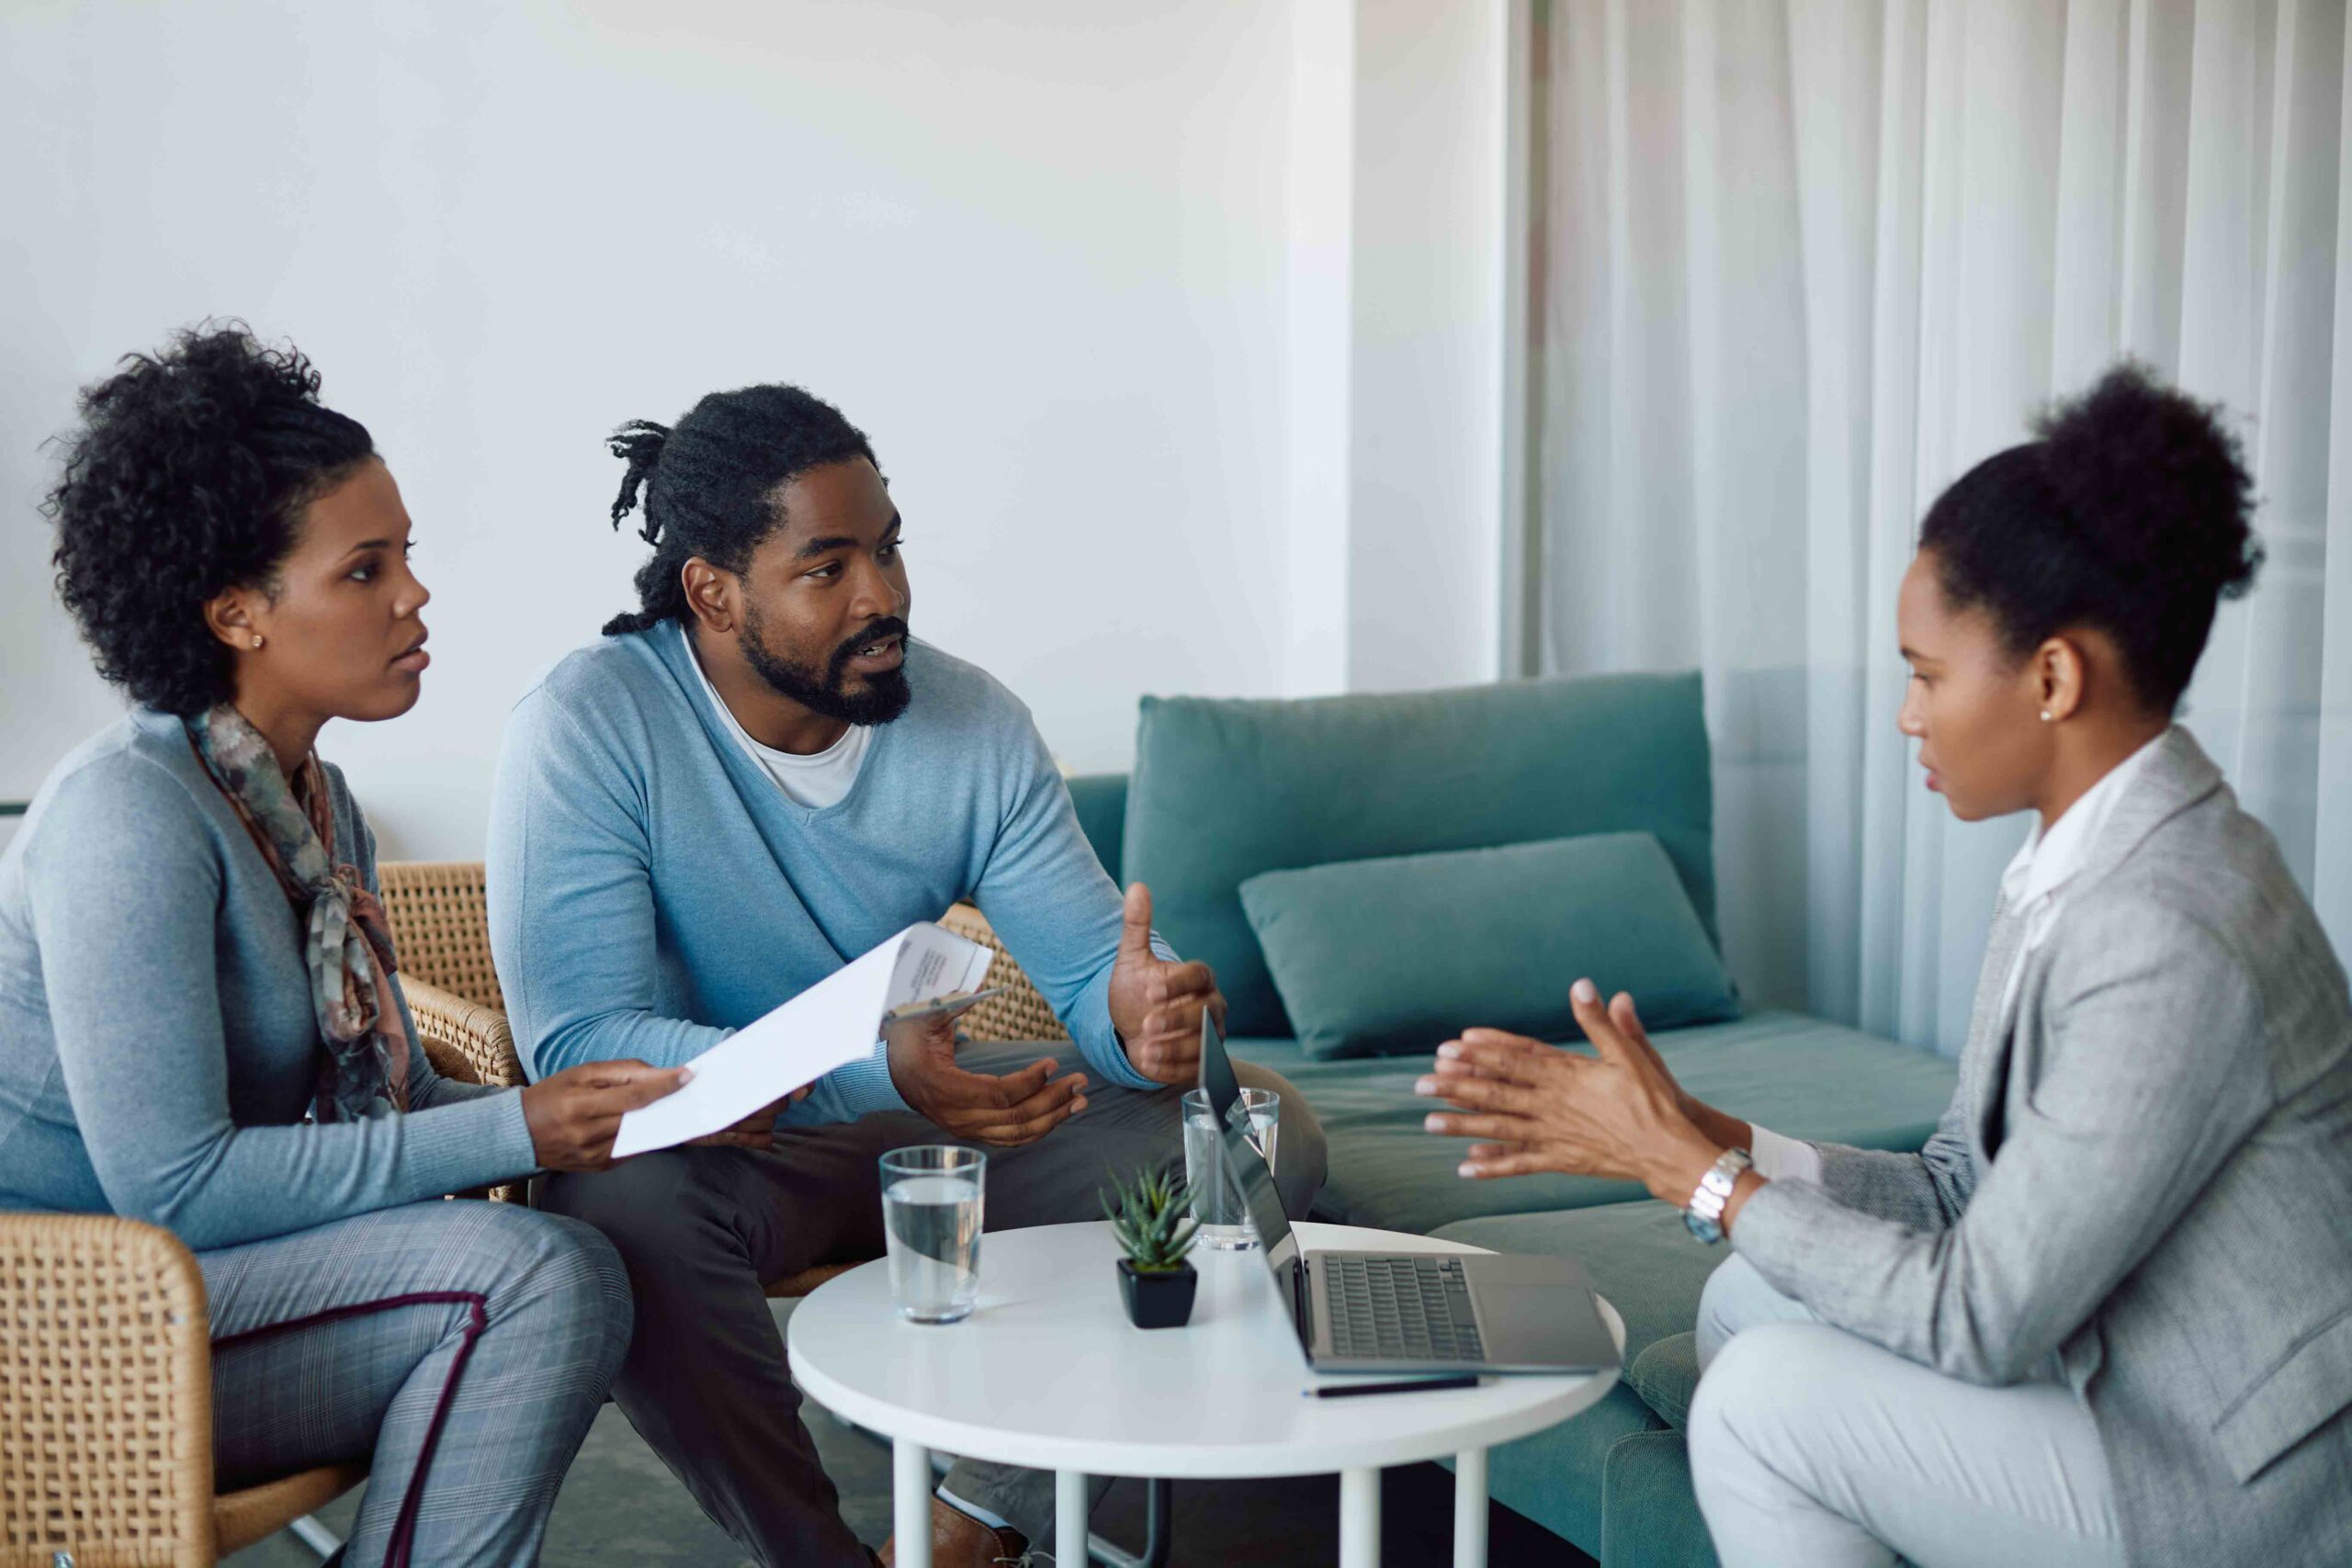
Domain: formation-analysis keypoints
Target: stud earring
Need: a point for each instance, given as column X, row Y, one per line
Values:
column 2045, row 712
column 257, row 642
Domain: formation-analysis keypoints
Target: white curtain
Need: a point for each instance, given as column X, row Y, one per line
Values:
column 1799, row 264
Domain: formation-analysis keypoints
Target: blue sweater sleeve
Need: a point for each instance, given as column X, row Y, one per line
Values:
column 1056, row 909
column 572, row 922
column 124, row 891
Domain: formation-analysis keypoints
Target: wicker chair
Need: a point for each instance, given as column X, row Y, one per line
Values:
column 106, row 1404
column 441, row 935
column 106, row 1392
column 1021, row 1014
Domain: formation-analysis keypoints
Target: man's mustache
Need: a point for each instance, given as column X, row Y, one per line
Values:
column 838, row 666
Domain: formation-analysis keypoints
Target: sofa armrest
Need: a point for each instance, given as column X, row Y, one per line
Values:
column 1650, row 1515
column 1665, row 1374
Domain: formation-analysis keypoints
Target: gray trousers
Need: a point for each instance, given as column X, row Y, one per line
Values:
column 466, row 1346
column 700, row 1229
column 1810, row 1445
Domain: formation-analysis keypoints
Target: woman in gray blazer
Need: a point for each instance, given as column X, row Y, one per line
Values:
column 200, row 1025
column 2105, row 1315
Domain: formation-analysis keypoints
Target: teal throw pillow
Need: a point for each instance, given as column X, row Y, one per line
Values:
column 1375, row 957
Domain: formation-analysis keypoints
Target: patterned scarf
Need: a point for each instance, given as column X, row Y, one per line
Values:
column 348, row 945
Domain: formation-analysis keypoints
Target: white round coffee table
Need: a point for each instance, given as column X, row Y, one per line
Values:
column 1049, row 1374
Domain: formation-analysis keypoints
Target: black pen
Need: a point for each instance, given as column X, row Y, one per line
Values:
column 1342, row 1391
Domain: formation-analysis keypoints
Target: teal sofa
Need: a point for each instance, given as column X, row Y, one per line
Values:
column 1224, row 791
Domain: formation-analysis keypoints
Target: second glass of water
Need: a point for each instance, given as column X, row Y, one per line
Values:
column 931, row 1210
column 1223, row 1214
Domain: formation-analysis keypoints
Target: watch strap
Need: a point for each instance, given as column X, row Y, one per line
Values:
column 1704, row 1215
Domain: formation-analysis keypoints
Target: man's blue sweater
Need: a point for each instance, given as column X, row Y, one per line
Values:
column 652, row 889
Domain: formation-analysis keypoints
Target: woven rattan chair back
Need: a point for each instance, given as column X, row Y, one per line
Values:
column 440, row 921
column 1022, row 1012
column 106, row 1394
column 106, row 1406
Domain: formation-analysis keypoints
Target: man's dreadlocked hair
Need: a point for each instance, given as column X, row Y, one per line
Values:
column 710, row 484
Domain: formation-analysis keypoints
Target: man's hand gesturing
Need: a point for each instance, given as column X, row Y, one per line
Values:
column 1155, row 1005
column 1018, row 1107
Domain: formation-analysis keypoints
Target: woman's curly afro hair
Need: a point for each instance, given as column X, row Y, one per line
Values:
column 2128, row 514
column 187, row 476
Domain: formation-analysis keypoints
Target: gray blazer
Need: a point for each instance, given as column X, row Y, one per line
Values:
column 2145, row 1172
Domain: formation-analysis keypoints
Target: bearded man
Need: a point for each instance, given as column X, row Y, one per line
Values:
column 748, row 781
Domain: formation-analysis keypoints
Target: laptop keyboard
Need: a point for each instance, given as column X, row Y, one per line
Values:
column 1400, row 1308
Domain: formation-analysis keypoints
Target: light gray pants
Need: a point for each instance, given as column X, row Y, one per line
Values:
column 706, row 1383
column 466, row 1346
column 1812, row 1445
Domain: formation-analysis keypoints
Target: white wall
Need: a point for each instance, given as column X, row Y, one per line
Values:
column 1430, row 220
column 1402, row 226
column 1051, row 261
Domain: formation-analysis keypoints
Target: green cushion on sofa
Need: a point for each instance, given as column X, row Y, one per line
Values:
column 1396, row 953
column 1796, row 1075
column 1225, row 790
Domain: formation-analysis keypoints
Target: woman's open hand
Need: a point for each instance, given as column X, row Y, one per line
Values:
column 1617, row 1113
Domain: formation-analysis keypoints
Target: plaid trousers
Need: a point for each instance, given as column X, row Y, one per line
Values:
column 465, row 1346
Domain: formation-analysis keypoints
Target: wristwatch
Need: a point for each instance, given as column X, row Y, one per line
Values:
column 1704, row 1213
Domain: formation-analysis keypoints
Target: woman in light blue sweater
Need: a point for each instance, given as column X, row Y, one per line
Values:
column 199, row 1022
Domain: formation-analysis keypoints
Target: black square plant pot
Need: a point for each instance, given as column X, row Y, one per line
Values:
column 1159, row 1299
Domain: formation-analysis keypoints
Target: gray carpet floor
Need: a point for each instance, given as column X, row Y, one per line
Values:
column 621, row 1506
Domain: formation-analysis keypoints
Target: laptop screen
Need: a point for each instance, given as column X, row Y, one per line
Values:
column 1265, row 1200
column 1217, row 1079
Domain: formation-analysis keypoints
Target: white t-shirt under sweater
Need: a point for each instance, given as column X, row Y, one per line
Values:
column 814, row 781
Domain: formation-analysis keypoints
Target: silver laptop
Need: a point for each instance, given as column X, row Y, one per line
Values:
column 1414, row 1312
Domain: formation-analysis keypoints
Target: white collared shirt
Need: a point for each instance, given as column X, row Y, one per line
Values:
column 2046, row 862
column 2035, row 886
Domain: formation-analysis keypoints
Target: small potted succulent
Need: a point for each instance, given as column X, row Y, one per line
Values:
column 1154, row 1224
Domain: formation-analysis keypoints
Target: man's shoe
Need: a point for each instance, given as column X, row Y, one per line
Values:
column 959, row 1540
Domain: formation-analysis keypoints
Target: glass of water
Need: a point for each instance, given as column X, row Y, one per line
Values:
column 1224, row 1215
column 931, row 1205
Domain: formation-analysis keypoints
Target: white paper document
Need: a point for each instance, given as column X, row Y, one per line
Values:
column 833, row 1023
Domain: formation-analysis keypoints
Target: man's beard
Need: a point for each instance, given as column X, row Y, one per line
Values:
column 886, row 695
